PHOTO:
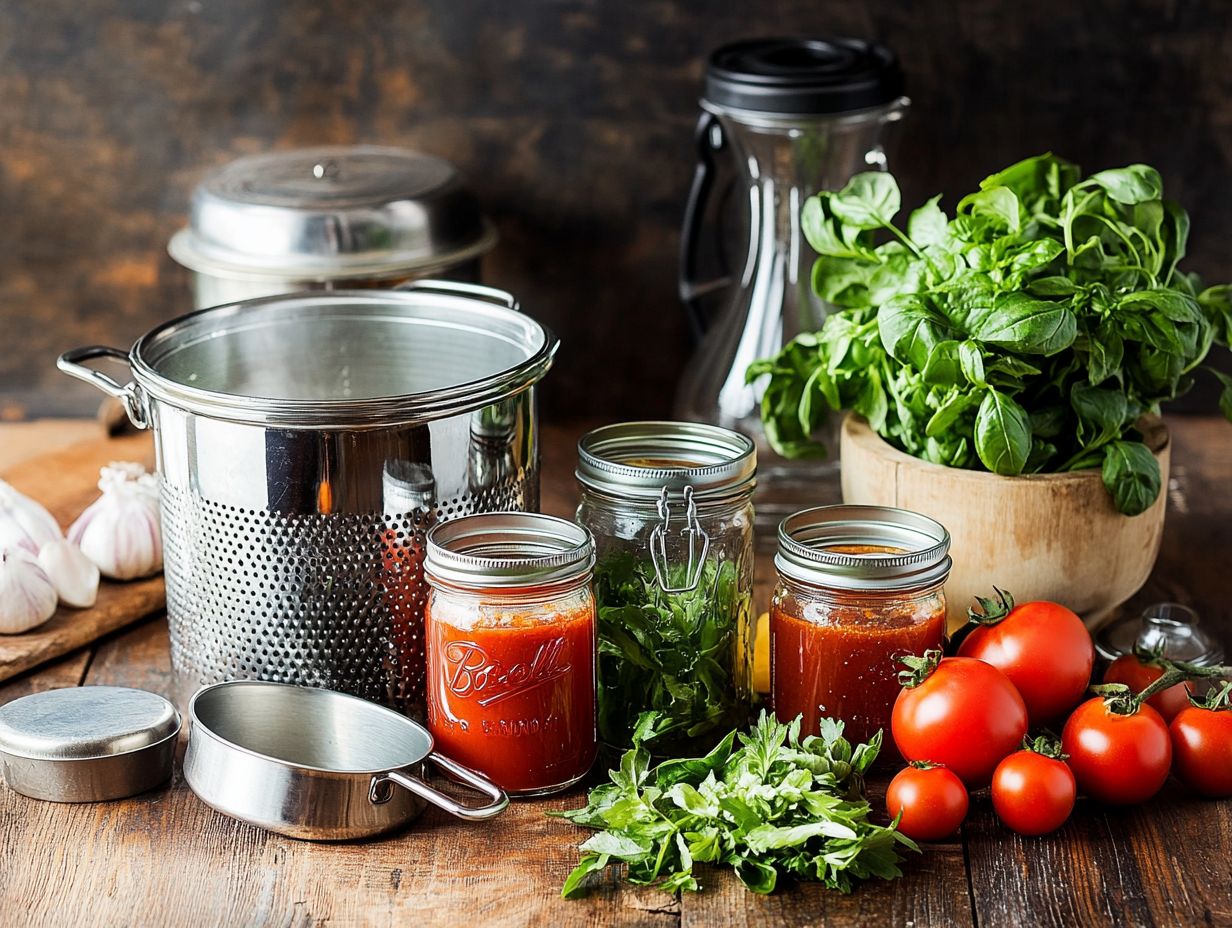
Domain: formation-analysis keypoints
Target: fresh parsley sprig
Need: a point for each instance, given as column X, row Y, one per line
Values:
column 1027, row 334
column 775, row 807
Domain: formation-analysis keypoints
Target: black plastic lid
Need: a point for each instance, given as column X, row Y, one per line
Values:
column 803, row 76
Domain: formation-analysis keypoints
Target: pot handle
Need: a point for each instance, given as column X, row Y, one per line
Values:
column 457, row 288
column 129, row 395
column 417, row 786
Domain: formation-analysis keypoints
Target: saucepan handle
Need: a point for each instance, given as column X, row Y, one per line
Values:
column 457, row 288
column 130, row 395
column 496, row 795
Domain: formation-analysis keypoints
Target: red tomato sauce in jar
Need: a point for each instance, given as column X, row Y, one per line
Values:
column 511, row 645
column 841, row 662
column 513, row 696
column 859, row 587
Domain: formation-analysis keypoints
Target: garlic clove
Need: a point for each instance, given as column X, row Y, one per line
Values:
column 121, row 531
column 27, row 595
column 24, row 522
column 74, row 575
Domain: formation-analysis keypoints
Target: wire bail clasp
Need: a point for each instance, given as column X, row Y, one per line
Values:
column 691, row 533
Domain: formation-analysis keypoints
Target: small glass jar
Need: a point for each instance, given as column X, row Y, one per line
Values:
column 669, row 505
column 858, row 588
column 510, row 633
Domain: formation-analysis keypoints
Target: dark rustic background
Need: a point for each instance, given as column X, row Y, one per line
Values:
column 573, row 120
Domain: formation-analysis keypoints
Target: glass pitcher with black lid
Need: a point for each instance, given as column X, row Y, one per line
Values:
column 798, row 115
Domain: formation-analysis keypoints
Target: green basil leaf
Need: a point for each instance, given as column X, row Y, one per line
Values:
column 928, row 225
column 1105, row 355
column 1038, row 177
column 1133, row 184
column 1002, row 434
column 1172, row 304
column 1035, row 255
column 1225, row 395
column 971, row 359
column 757, row 876
column 843, row 281
column 871, row 402
column 1131, row 475
column 1020, row 323
column 910, row 330
column 1041, row 456
column 1216, row 302
column 1101, row 413
column 950, row 412
column 943, row 367
column 1048, row 421
column 997, row 204
column 869, row 201
column 1053, row 286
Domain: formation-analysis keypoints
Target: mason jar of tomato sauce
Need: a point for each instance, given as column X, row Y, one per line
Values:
column 858, row 588
column 511, row 643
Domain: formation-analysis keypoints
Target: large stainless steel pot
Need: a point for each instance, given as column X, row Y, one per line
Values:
column 315, row 764
column 306, row 444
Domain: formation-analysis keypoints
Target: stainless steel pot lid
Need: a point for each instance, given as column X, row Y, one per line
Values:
column 85, row 723
column 347, row 358
column 332, row 213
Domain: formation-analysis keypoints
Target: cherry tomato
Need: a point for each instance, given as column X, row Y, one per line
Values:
column 1046, row 652
column 1131, row 671
column 1117, row 758
column 932, row 800
column 1202, row 750
column 963, row 714
column 1033, row 794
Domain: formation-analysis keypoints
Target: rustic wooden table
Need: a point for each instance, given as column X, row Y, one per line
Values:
column 166, row 859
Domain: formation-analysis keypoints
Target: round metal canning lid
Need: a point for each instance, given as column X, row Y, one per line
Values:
column 810, row 544
column 332, row 213
column 84, row 722
column 639, row 459
column 509, row 550
column 346, row 358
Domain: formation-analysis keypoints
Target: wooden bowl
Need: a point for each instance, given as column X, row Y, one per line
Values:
column 1043, row 536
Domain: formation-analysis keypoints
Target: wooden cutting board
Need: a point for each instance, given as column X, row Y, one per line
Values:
column 66, row 482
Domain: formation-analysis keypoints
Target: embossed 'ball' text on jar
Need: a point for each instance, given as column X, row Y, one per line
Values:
column 858, row 588
column 510, row 635
column 669, row 505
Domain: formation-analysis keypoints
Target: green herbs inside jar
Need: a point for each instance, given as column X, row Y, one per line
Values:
column 669, row 506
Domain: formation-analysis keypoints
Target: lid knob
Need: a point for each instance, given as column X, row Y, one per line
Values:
column 325, row 170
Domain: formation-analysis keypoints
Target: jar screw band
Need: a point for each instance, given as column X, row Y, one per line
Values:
column 692, row 532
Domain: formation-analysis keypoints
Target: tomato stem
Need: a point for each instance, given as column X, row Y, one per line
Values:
column 919, row 668
column 992, row 608
column 1180, row 672
column 1046, row 743
column 1216, row 700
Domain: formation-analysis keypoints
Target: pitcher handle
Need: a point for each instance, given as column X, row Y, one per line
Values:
column 708, row 139
column 497, row 797
column 130, row 395
column 457, row 288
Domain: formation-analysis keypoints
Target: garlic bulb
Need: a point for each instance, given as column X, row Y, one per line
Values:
column 27, row 596
column 74, row 575
column 24, row 522
column 121, row 531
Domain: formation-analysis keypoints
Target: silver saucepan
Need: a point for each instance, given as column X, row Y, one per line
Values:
column 316, row 764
